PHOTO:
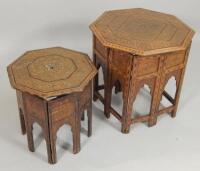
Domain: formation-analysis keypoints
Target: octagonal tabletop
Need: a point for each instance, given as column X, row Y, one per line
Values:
column 51, row 72
column 141, row 31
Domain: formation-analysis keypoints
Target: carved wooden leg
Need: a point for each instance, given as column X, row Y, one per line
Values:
column 76, row 137
column 83, row 116
column 152, row 120
column 107, row 95
column 51, row 148
column 178, row 92
column 126, row 117
column 154, row 102
column 129, row 96
column 158, row 101
column 96, row 78
column 48, row 144
column 89, row 114
column 21, row 111
column 30, row 137
column 22, row 122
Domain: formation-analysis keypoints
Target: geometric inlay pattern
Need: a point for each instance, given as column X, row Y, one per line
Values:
column 141, row 31
column 51, row 72
column 51, row 68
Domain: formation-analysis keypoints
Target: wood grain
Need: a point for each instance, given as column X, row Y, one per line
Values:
column 141, row 31
column 137, row 47
column 51, row 72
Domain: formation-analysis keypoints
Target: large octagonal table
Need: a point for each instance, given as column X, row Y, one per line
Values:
column 137, row 47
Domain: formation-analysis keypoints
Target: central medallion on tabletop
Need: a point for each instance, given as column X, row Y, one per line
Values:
column 51, row 68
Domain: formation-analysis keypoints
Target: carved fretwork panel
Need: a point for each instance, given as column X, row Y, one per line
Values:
column 147, row 65
column 84, row 98
column 35, row 108
column 100, row 48
column 122, row 60
column 62, row 111
column 174, row 59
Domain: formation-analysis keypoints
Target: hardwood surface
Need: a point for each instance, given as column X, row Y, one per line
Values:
column 141, row 31
column 51, row 72
column 64, row 74
column 53, row 114
column 138, row 47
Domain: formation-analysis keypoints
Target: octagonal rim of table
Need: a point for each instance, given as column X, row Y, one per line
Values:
column 51, row 72
column 160, row 32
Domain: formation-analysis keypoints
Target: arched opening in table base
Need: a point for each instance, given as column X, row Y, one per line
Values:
column 142, row 102
column 38, row 135
column 117, row 97
column 64, row 140
column 169, row 92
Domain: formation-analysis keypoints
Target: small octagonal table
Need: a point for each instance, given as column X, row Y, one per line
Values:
column 135, row 47
column 53, row 88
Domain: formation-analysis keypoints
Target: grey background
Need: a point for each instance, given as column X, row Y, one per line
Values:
column 173, row 144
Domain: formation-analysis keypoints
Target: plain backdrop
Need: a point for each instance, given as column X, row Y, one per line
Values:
column 173, row 144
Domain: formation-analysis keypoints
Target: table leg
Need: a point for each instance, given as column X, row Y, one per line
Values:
column 83, row 116
column 128, row 99
column 30, row 137
column 76, row 136
column 22, row 122
column 89, row 114
column 96, row 78
column 178, row 91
